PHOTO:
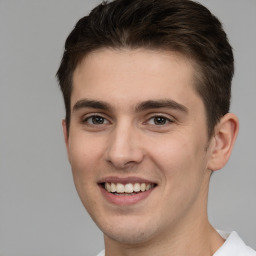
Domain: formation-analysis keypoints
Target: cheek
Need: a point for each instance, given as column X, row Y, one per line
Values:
column 172, row 155
column 83, row 154
column 181, row 161
column 182, row 166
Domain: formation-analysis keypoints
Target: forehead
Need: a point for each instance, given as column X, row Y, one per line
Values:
column 130, row 75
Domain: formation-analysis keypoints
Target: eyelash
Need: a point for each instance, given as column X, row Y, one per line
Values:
column 86, row 119
column 164, row 118
column 90, row 120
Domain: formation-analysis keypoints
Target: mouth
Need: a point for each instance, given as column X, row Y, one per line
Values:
column 127, row 189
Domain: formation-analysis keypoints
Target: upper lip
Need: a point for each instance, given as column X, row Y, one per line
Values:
column 125, row 180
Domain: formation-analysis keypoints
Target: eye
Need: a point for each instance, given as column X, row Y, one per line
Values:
column 95, row 120
column 159, row 120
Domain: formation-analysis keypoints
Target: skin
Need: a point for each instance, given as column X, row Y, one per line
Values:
column 173, row 152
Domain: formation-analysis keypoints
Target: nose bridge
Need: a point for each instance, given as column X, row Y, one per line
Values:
column 124, row 147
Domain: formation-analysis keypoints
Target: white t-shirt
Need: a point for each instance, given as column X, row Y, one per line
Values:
column 233, row 246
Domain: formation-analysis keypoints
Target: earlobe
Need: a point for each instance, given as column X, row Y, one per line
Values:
column 223, row 141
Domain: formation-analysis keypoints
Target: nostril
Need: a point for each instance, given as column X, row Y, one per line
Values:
column 122, row 161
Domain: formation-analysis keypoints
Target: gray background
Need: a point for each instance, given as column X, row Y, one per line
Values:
column 40, row 213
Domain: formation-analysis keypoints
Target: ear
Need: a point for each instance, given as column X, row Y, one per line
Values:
column 223, row 140
column 65, row 132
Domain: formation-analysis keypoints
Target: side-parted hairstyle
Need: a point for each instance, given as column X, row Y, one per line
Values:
column 182, row 26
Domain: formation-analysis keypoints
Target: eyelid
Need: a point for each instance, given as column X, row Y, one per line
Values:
column 167, row 117
column 86, row 117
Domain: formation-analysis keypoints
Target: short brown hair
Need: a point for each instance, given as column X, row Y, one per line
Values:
column 176, row 25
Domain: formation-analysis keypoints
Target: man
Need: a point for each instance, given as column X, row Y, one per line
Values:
column 147, row 85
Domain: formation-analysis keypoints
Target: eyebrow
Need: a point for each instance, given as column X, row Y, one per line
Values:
column 166, row 103
column 146, row 105
column 86, row 103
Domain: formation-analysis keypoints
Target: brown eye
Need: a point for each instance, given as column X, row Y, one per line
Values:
column 95, row 120
column 159, row 120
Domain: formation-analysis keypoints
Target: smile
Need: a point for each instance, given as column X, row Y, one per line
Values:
column 127, row 189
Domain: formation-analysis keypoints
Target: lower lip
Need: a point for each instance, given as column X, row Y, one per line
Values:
column 125, row 199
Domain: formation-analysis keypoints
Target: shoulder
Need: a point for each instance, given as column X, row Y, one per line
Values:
column 234, row 246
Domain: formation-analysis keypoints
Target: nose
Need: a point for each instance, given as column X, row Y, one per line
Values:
column 124, row 147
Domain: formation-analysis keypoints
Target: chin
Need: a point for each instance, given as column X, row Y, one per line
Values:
column 129, row 234
column 129, row 238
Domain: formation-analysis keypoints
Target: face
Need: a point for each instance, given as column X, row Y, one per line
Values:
column 138, row 143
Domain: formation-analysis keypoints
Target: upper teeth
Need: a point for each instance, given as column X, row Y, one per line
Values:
column 127, row 188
